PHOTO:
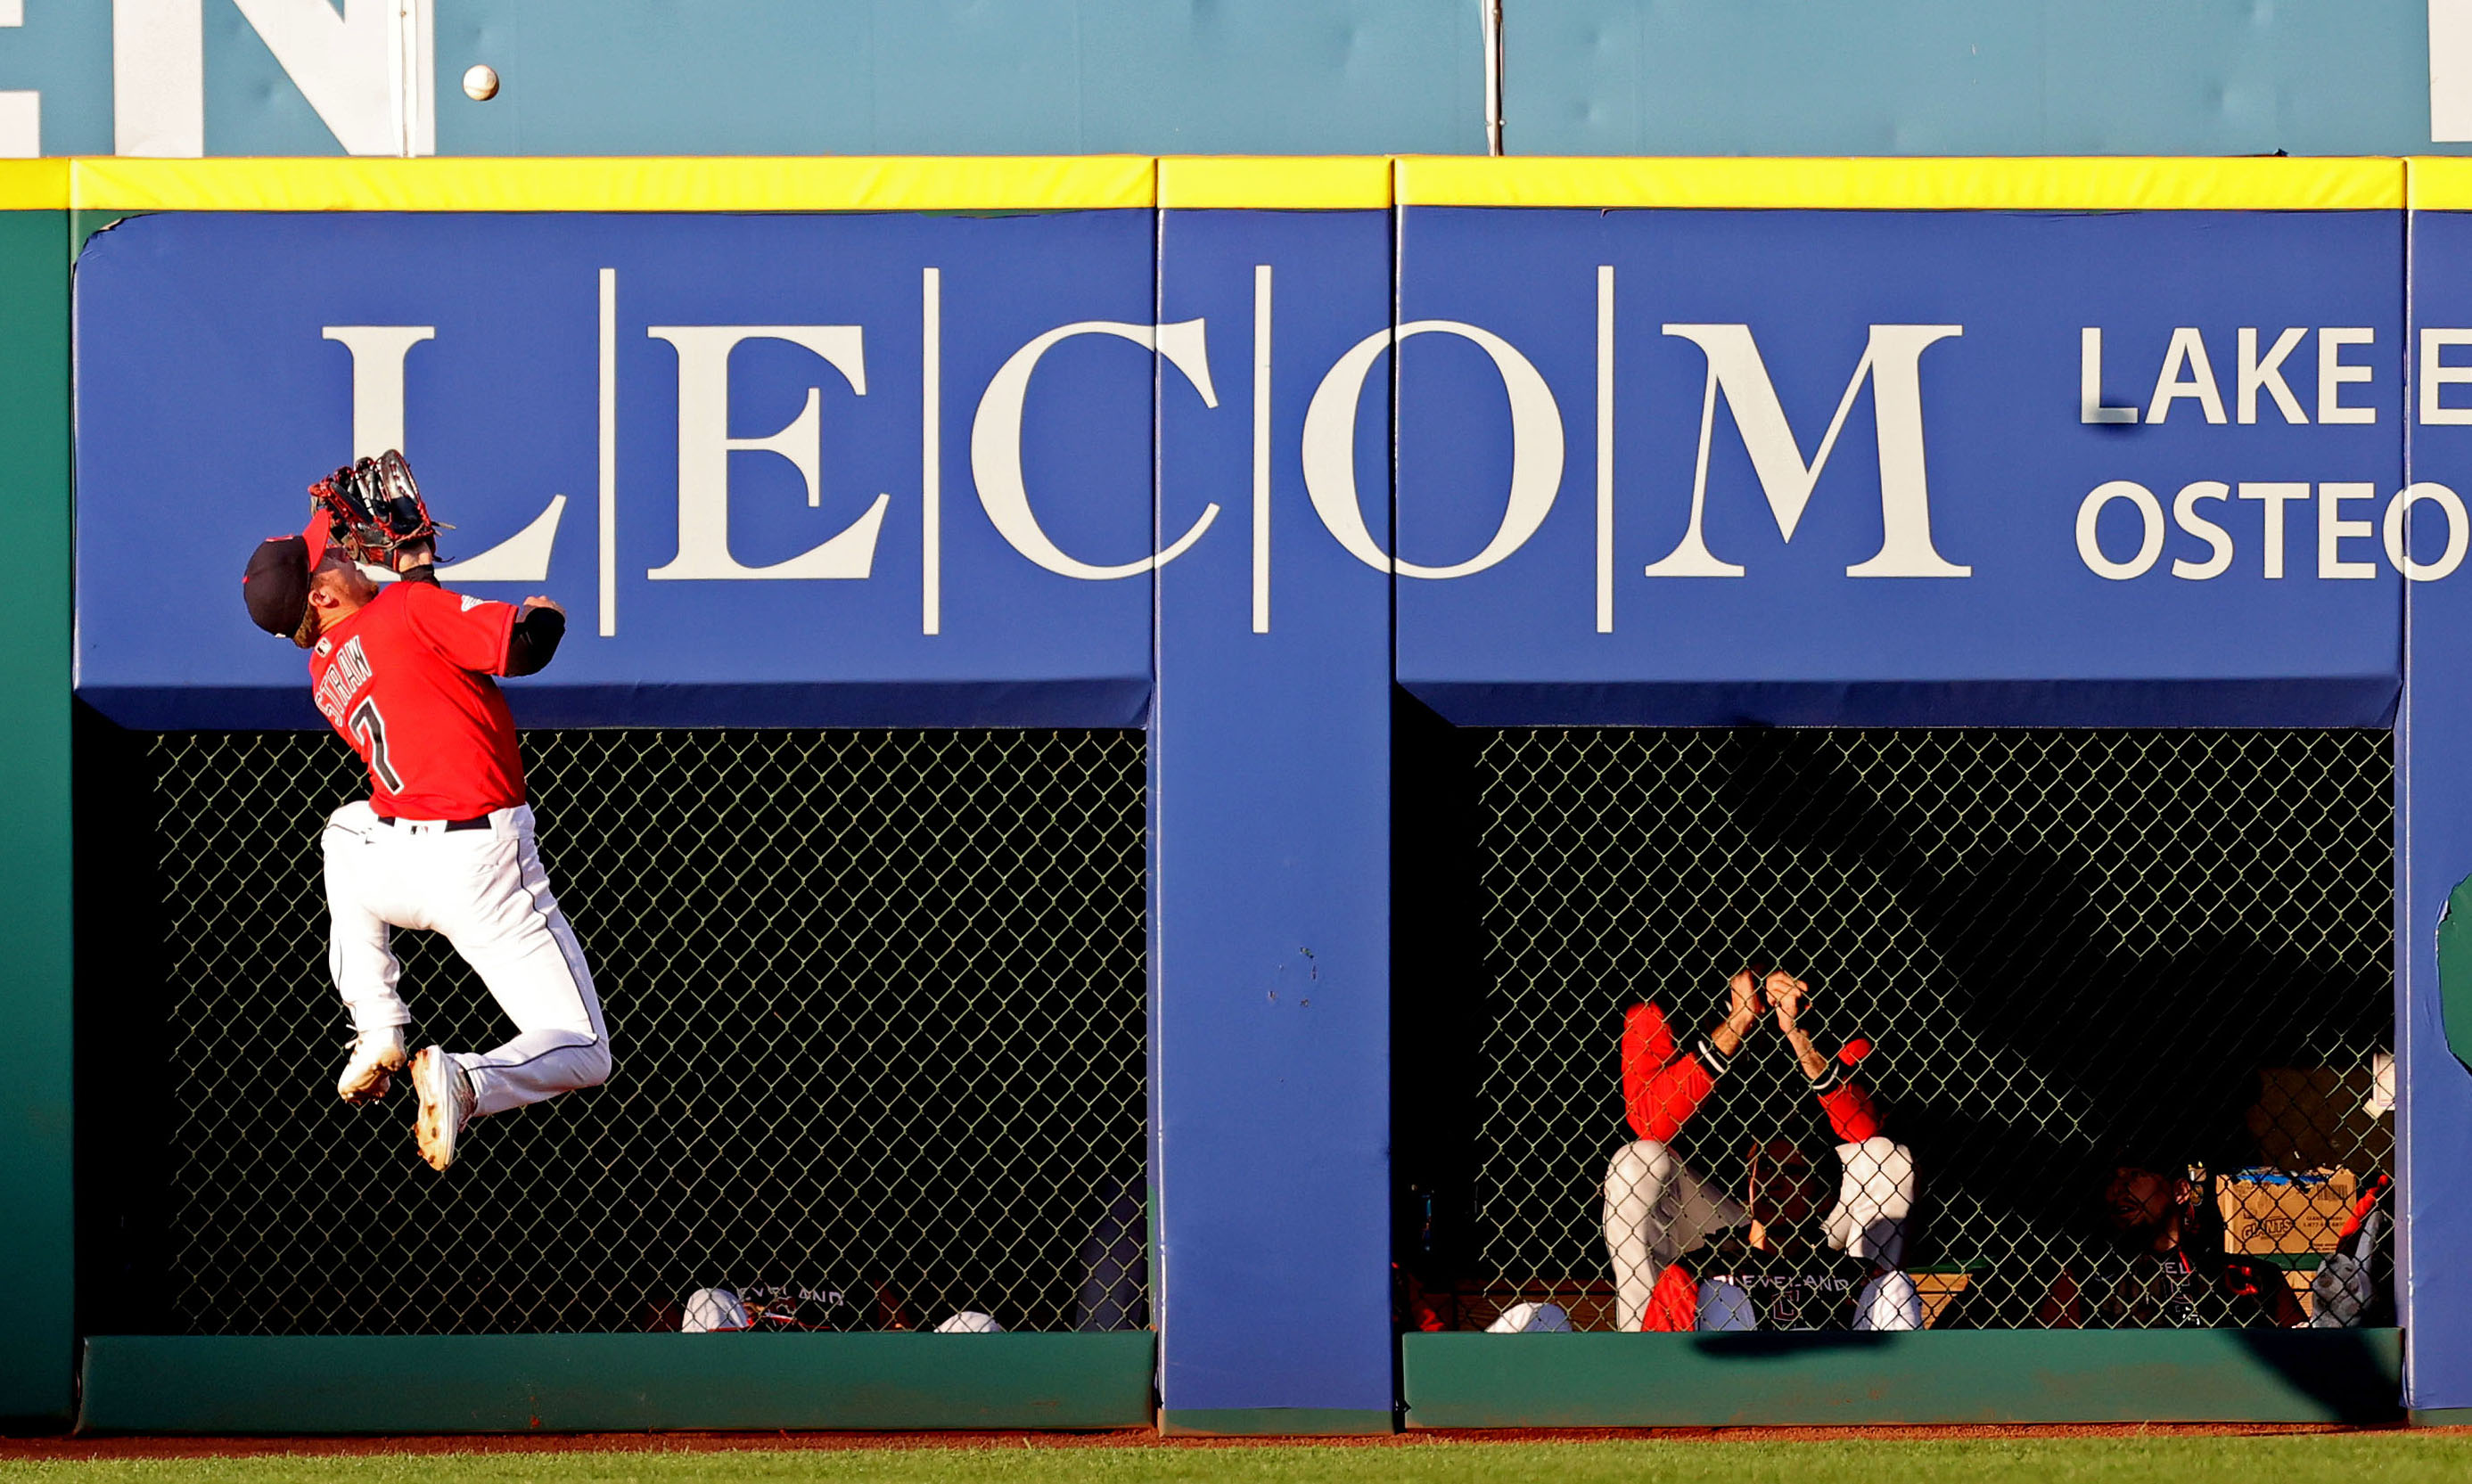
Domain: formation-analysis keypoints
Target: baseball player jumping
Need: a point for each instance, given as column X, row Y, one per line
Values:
column 444, row 841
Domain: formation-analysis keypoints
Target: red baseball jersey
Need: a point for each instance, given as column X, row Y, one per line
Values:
column 406, row 681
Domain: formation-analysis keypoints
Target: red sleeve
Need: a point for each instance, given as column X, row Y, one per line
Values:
column 1850, row 1112
column 1674, row 1304
column 2360, row 1209
column 472, row 633
column 1661, row 1090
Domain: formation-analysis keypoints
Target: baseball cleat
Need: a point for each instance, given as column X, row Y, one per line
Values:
column 369, row 1072
column 445, row 1092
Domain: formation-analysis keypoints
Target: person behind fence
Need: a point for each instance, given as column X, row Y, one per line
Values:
column 1689, row 1255
column 444, row 840
column 2354, row 1285
column 2164, row 1266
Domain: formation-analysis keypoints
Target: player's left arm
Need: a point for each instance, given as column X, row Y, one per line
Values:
column 483, row 636
column 540, row 625
column 1851, row 1112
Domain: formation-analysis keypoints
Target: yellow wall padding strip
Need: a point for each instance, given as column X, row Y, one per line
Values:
column 1274, row 183
column 34, row 185
column 2072, row 184
column 2441, row 183
column 1034, row 183
column 840, row 183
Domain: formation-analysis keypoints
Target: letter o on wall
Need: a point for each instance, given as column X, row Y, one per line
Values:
column 1330, row 449
column 2458, row 532
column 2090, row 549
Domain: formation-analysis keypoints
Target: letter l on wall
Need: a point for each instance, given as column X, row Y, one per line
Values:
column 378, row 352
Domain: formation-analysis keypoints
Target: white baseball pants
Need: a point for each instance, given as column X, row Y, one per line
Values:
column 1657, row 1209
column 1889, row 1301
column 484, row 889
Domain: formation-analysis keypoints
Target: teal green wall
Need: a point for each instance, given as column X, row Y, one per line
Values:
column 613, row 1383
column 1928, row 1376
column 852, row 76
column 1960, row 77
column 601, row 1381
column 36, row 1342
column 1332, row 76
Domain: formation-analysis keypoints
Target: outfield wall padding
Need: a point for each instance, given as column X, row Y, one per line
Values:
column 612, row 1382
column 1301, row 438
column 1953, row 1375
column 37, row 1345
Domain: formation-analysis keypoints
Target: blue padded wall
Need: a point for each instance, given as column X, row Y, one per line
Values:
column 2434, row 1111
column 1270, row 880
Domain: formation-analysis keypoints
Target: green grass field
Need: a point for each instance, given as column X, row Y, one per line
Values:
column 2379, row 1458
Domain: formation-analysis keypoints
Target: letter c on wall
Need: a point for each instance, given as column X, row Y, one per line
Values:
column 995, row 442
column 1330, row 450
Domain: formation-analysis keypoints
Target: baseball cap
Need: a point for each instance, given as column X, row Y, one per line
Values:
column 276, row 584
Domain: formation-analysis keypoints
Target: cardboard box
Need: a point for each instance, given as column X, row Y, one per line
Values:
column 2275, row 1211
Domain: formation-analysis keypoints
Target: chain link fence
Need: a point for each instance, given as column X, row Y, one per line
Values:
column 877, row 1004
column 2073, row 952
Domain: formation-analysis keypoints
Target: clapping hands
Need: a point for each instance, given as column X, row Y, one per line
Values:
column 1756, row 990
column 1750, row 995
column 1747, row 1003
column 1786, row 993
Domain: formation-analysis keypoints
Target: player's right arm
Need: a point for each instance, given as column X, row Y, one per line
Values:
column 418, row 562
column 1662, row 1086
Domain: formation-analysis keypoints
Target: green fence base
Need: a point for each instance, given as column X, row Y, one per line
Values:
column 1273, row 1422
column 612, row 1382
column 1951, row 1375
column 38, row 1327
column 2443, row 1417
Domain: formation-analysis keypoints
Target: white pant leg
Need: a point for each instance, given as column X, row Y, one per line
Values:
column 1723, row 1306
column 1636, row 1182
column 1889, row 1301
column 360, row 954
column 491, row 898
column 1657, row 1208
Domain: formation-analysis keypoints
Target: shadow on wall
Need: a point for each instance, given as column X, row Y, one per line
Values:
column 1438, row 986
column 2355, row 1375
column 125, row 1156
column 2173, row 1038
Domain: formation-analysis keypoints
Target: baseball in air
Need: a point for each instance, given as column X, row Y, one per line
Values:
column 481, row 82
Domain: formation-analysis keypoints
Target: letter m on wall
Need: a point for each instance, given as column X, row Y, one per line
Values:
column 1893, row 362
